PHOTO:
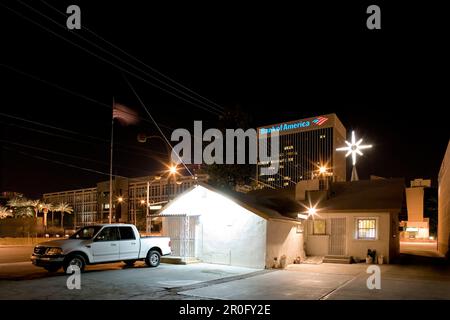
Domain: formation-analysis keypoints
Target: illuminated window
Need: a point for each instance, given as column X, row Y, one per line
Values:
column 270, row 179
column 286, row 184
column 319, row 227
column 366, row 229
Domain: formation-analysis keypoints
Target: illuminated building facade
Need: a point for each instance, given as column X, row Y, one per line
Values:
column 91, row 205
column 305, row 146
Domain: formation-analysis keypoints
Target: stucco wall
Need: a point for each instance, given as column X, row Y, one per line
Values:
column 283, row 239
column 317, row 245
column 444, row 205
column 358, row 248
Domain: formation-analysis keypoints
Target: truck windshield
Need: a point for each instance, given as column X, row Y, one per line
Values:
column 86, row 233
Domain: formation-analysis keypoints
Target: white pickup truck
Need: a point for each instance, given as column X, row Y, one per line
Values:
column 101, row 244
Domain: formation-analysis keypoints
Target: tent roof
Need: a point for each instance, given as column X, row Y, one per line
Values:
column 267, row 208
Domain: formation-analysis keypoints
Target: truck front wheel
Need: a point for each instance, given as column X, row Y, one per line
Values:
column 74, row 260
column 153, row 259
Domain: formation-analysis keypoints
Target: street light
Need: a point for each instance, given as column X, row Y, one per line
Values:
column 142, row 138
column 173, row 169
column 312, row 211
column 322, row 169
column 120, row 199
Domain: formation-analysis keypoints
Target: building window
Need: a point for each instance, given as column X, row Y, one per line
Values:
column 366, row 229
column 319, row 227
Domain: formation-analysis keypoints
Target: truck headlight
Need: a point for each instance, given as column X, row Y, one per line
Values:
column 54, row 251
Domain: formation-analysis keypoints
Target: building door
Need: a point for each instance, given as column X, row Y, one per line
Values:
column 338, row 238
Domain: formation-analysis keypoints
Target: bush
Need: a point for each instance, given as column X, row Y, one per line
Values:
column 19, row 227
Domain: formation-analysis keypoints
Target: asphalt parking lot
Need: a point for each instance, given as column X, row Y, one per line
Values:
column 417, row 278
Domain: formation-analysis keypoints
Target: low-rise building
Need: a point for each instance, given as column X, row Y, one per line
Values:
column 417, row 226
column 444, row 205
column 350, row 218
column 130, row 200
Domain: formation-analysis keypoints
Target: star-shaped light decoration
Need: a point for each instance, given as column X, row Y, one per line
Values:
column 353, row 148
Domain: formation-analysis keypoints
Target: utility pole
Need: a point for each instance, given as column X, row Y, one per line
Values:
column 148, row 206
column 111, row 165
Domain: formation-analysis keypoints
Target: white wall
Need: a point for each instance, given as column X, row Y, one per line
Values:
column 358, row 248
column 317, row 245
column 228, row 233
column 354, row 247
column 283, row 239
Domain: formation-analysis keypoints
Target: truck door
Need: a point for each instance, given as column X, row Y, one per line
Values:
column 128, row 244
column 105, row 246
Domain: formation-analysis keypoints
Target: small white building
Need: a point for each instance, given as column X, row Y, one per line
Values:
column 234, row 229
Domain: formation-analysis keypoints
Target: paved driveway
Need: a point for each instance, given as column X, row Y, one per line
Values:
column 138, row 282
column 335, row 282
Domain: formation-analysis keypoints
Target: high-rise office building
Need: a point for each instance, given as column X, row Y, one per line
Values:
column 307, row 150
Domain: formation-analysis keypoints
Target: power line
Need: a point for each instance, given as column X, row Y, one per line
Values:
column 103, row 59
column 156, row 124
column 59, row 162
column 74, row 93
column 97, row 56
column 65, row 154
column 71, row 132
column 136, row 59
column 120, row 149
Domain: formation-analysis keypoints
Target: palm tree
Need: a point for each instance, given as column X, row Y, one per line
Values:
column 45, row 208
column 35, row 205
column 63, row 207
column 21, row 207
column 5, row 212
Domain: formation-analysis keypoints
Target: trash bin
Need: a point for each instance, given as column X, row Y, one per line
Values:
column 380, row 259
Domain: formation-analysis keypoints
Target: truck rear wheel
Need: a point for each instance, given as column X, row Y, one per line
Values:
column 153, row 258
column 74, row 260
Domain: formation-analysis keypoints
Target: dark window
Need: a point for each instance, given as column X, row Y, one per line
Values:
column 126, row 233
column 108, row 234
column 85, row 233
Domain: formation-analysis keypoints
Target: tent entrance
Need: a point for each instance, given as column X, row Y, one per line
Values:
column 184, row 234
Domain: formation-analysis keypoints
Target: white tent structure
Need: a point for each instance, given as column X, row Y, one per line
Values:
column 207, row 225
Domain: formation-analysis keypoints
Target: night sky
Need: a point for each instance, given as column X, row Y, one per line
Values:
column 276, row 63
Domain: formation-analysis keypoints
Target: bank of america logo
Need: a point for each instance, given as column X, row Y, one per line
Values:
column 320, row 120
